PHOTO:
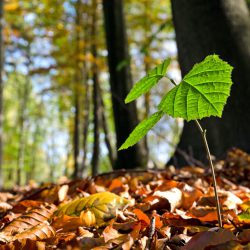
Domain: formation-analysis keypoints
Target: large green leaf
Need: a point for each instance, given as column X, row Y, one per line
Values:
column 202, row 93
column 147, row 82
column 141, row 129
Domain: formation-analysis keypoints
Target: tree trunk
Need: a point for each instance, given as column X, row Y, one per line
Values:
column 76, row 136
column 96, row 94
column 1, row 92
column 106, row 130
column 125, row 116
column 24, row 95
column 222, row 27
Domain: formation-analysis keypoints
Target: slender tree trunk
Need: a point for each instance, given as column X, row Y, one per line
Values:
column 97, row 120
column 85, row 23
column 76, row 141
column 96, row 94
column 24, row 99
column 125, row 116
column 22, row 119
column 85, row 127
column 33, row 163
column 1, row 92
column 106, row 131
column 76, row 136
column 205, row 27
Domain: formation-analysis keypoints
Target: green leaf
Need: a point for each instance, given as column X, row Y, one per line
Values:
column 244, row 216
column 141, row 129
column 147, row 82
column 103, row 205
column 202, row 93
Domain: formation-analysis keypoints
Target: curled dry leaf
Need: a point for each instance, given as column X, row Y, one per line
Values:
column 84, row 233
column 62, row 192
column 87, row 218
column 5, row 196
column 174, row 196
column 4, row 206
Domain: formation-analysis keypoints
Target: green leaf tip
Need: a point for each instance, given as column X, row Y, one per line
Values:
column 141, row 130
column 203, row 92
column 147, row 82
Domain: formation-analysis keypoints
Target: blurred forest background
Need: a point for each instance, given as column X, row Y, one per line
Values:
column 67, row 66
column 57, row 106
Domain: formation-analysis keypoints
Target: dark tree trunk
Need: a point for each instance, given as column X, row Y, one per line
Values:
column 125, row 116
column 96, row 94
column 106, row 130
column 1, row 92
column 205, row 27
column 76, row 135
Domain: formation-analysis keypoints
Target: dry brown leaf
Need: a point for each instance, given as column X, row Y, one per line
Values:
column 109, row 233
column 4, row 206
column 84, row 233
column 62, row 192
column 204, row 239
column 66, row 223
column 30, row 219
column 24, row 244
column 5, row 196
column 173, row 195
column 38, row 232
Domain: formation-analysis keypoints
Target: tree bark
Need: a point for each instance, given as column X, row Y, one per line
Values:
column 222, row 27
column 125, row 116
column 106, row 130
column 76, row 135
column 96, row 94
column 1, row 92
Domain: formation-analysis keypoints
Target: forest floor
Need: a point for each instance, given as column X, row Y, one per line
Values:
column 170, row 209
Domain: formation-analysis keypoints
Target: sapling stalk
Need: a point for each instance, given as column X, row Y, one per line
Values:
column 203, row 92
column 211, row 165
column 204, row 138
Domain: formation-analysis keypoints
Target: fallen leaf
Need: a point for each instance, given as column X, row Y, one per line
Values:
column 102, row 205
column 35, row 216
column 62, row 192
column 141, row 216
column 110, row 233
column 4, row 206
column 204, row 239
column 173, row 195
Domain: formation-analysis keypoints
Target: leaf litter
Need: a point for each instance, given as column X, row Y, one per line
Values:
column 133, row 209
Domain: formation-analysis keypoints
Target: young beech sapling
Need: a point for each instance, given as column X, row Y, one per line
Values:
column 203, row 92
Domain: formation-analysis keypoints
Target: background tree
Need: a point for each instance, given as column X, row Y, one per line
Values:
column 125, row 117
column 221, row 27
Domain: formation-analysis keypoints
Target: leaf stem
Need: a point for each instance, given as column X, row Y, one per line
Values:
column 203, row 134
column 171, row 80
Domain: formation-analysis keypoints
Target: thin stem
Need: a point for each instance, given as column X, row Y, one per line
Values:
column 203, row 134
column 171, row 80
